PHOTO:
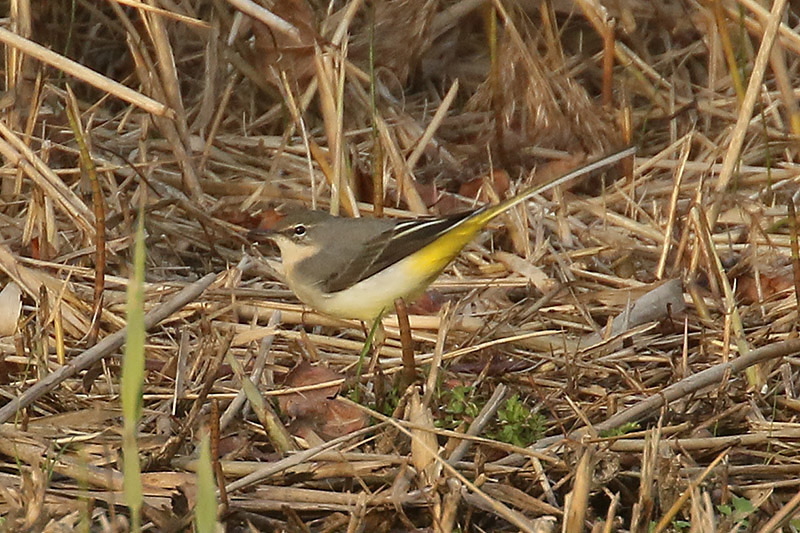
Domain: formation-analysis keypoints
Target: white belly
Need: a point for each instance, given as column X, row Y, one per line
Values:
column 368, row 298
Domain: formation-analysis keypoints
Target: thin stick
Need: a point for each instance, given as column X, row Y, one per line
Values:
column 498, row 508
column 276, row 432
column 681, row 389
column 793, row 239
column 271, row 469
column 20, row 155
column 213, row 431
column 608, row 62
column 98, row 204
column 480, row 422
column 700, row 380
column 673, row 205
column 445, row 325
column 746, row 110
column 103, row 348
column 270, row 19
column 255, row 377
column 779, row 518
column 427, row 135
column 85, row 74
column 667, row 518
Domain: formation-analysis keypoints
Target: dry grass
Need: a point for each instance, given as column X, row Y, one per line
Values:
column 403, row 108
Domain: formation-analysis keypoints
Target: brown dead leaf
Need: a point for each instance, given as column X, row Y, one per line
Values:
column 497, row 363
column 471, row 188
column 277, row 52
column 772, row 282
column 343, row 419
column 164, row 483
column 429, row 193
column 241, row 218
column 499, row 181
column 235, row 446
column 35, row 250
column 553, row 169
column 318, row 413
column 268, row 219
column 308, row 403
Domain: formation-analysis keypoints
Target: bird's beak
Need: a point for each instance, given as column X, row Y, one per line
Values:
column 261, row 236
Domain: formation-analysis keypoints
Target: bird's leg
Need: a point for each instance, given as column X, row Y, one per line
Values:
column 375, row 337
column 409, row 374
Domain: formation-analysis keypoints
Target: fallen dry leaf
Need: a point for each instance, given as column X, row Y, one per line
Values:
column 10, row 308
column 664, row 300
column 278, row 52
column 342, row 419
column 499, row 181
column 268, row 219
column 423, row 441
column 772, row 283
column 318, row 413
column 308, row 403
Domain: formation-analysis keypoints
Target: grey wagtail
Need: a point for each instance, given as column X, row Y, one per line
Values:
column 357, row 267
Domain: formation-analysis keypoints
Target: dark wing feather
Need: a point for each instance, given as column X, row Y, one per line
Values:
column 389, row 247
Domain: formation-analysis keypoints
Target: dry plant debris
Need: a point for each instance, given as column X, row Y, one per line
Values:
column 621, row 356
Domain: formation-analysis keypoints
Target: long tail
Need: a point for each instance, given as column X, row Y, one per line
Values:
column 491, row 212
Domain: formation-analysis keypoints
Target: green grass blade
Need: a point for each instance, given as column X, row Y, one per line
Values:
column 205, row 511
column 133, row 381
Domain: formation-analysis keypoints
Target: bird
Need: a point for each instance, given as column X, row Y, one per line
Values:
column 355, row 268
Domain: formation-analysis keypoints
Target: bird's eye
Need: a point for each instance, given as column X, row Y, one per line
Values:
column 299, row 230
